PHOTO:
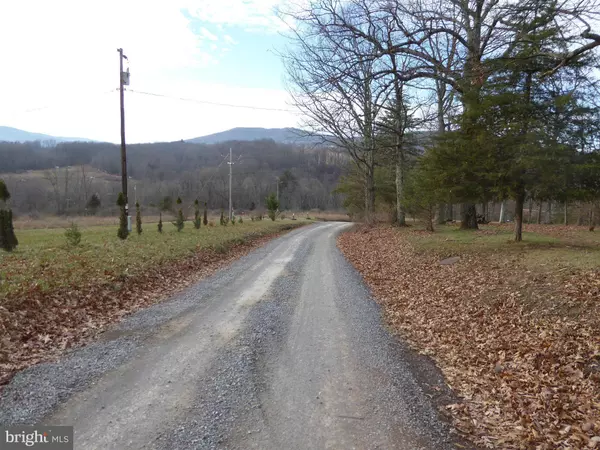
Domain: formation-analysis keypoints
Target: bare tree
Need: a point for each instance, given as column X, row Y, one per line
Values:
column 332, row 82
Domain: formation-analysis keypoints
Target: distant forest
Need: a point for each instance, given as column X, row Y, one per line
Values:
column 63, row 179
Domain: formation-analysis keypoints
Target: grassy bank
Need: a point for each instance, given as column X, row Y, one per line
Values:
column 43, row 260
column 54, row 297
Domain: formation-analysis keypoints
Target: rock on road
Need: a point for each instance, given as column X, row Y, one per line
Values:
column 284, row 349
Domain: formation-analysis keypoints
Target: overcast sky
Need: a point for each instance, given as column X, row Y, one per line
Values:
column 60, row 67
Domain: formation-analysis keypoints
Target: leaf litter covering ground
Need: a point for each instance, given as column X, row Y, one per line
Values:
column 527, row 377
column 41, row 325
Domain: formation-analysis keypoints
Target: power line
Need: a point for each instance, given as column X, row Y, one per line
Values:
column 206, row 102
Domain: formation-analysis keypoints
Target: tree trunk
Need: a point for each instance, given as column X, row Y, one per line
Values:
column 450, row 213
column 502, row 208
column 530, row 210
column 469, row 217
column 519, row 202
column 484, row 211
column 400, row 213
column 369, row 191
column 539, row 216
column 549, row 213
column 441, row 220
column 566, row 213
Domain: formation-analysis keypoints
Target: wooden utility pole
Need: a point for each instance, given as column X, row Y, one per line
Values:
column 123, row 149
column 230, row 175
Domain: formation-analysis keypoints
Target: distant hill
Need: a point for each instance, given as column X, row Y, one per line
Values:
column 9, row 134
column 282, row 135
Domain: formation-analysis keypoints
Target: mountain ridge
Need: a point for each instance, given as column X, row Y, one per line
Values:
column 10, row 134
column 282, row 135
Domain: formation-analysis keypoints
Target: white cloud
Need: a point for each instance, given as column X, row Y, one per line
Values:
column 258, row 15
column 63, row 54
column 229, row 39
column 208, row 35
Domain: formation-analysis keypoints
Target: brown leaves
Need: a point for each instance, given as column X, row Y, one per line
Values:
column 528, row 373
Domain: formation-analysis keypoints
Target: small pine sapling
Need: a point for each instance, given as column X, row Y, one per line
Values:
column 73, row 235
column 123, row 231
column 197, row 218
column 180, row 222
column 138, row 218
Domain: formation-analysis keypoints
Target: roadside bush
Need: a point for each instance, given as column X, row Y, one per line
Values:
column 8, row 239
column 123, row 231
column 197, row 217
column 138, row 218
column 73, row 235
column 180, row 222
column 272, row 206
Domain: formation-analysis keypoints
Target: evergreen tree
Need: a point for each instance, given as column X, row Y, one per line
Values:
column 123, row 231
column 272, row 206
column 197, row 218
column 138, row 218
column 8, row 239
column 205, row 214
column 180, row 222
column 94, row 204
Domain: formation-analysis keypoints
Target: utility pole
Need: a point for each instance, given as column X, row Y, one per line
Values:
column 230, row 175
column 122, row 82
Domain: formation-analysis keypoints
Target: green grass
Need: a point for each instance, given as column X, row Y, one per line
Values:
column 44, row 259
column 541, row 251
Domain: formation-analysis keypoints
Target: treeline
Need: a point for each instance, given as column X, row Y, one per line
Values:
column 84, row 178
column 508, row 91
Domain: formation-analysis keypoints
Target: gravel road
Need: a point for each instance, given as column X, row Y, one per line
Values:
column 284, row 349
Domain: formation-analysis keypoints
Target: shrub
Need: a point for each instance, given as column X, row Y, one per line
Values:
column 233, row 219
column 73, row 235
column 222, row 219
column 197, row 217
column 272, row 206
column 180, row 222
column 123, row 231
column 160, row 224
column 241, row 220
column 205, row 214
column 94, row 204
column 138, row 218
column 8, row 240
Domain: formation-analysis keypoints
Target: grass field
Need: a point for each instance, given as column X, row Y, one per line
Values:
column 44, row 261
column 544, row 247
